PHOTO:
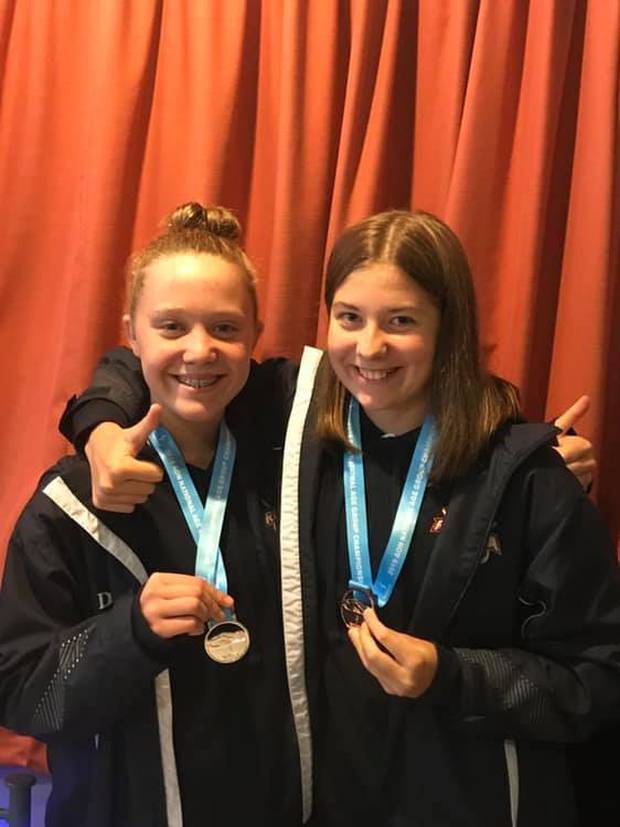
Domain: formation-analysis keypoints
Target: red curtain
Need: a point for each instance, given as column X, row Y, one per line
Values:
column 501, row 116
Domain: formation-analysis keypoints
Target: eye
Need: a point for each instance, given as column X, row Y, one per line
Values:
column 348, row 318
column 170, row 327
column 225, row 330
column 402, row 322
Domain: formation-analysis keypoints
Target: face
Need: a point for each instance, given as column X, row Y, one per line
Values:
column 193, row 331
column 381, row 342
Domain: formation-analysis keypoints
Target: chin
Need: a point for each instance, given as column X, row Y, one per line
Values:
column 371, row 403
column 197, row 413
column 206, row 415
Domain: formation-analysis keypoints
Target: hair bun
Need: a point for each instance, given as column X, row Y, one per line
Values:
column 216, row 220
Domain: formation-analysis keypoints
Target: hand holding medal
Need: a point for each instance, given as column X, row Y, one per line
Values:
column 353, row 604
column 404, row 665
column 181, row 604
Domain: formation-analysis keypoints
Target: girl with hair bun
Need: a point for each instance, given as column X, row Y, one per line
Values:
column 451, row 609
column 146, row 649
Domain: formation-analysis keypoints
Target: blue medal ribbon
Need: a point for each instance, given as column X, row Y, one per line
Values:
column 205, row 522
column 406, row 515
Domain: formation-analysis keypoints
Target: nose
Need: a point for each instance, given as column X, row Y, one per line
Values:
column 371, row 342
column 200, row 346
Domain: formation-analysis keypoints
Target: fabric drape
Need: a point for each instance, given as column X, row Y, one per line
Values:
column 303, row 116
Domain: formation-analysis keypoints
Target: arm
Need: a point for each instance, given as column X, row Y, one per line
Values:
column 64, row 670
column 102, row 421
column 562, row 676
column 117, row 394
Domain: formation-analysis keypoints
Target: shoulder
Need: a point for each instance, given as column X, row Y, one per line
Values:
column 541, row 497
column 277, row 376
column 61, row 508
column 264, row 403
column 525, row 453
column 515, row 441
column 523, row 467
column 71, row 473
column 60, row 521
column 43, row 520
column 520, row 475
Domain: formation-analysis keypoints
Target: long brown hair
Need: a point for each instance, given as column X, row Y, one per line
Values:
column 192, row 228
column 468, row 403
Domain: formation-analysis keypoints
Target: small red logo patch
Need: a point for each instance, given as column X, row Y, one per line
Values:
column 438, row 521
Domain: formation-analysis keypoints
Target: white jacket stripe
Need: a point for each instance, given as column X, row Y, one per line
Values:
column 163, row 697
column 58, row 491
column 292, row 605
column 512, row 769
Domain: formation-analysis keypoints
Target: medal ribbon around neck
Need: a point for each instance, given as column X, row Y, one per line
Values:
column 406, row 516
column 205, row 522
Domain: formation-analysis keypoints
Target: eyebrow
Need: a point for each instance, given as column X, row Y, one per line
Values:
column 405, row 308
column 161, row 311
column 164, row 311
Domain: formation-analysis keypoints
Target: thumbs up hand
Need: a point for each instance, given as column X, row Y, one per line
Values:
column 119, row 480
column 576, row 451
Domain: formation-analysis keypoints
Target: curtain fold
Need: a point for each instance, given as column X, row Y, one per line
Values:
column 586, row 339
column 501, row 117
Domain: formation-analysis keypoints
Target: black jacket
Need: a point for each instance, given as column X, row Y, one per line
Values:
column 141, row 731
column 529, row 639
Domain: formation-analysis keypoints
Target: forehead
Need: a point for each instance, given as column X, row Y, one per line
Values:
column 381, row 284
column 199, row 278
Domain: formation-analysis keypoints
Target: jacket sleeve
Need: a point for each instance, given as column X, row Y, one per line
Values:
column 118, row 394
column 561, row 678
column 63, row 670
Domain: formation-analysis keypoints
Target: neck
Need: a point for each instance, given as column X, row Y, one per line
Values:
column 195, row 440
column 398, row 422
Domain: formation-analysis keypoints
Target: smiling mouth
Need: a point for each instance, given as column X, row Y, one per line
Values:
column 198, row 384
column 369, row 375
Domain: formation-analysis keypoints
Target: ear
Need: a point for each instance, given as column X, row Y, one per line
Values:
column 131, row 336
column 259, row 329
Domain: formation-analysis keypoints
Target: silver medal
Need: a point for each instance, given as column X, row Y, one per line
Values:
column 227, row 641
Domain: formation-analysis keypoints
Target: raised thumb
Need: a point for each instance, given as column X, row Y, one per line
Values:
column 573, row 414
column 138, row 434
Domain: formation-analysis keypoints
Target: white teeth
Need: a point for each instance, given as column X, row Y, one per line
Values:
column 374, row 375
column 197, row 383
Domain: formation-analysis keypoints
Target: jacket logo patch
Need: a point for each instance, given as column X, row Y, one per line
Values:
column 493, row 547
column 104, row 599
column 438, row 521
column 271, row 521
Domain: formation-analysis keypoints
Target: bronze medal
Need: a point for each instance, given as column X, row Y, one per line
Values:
column 353, row 604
